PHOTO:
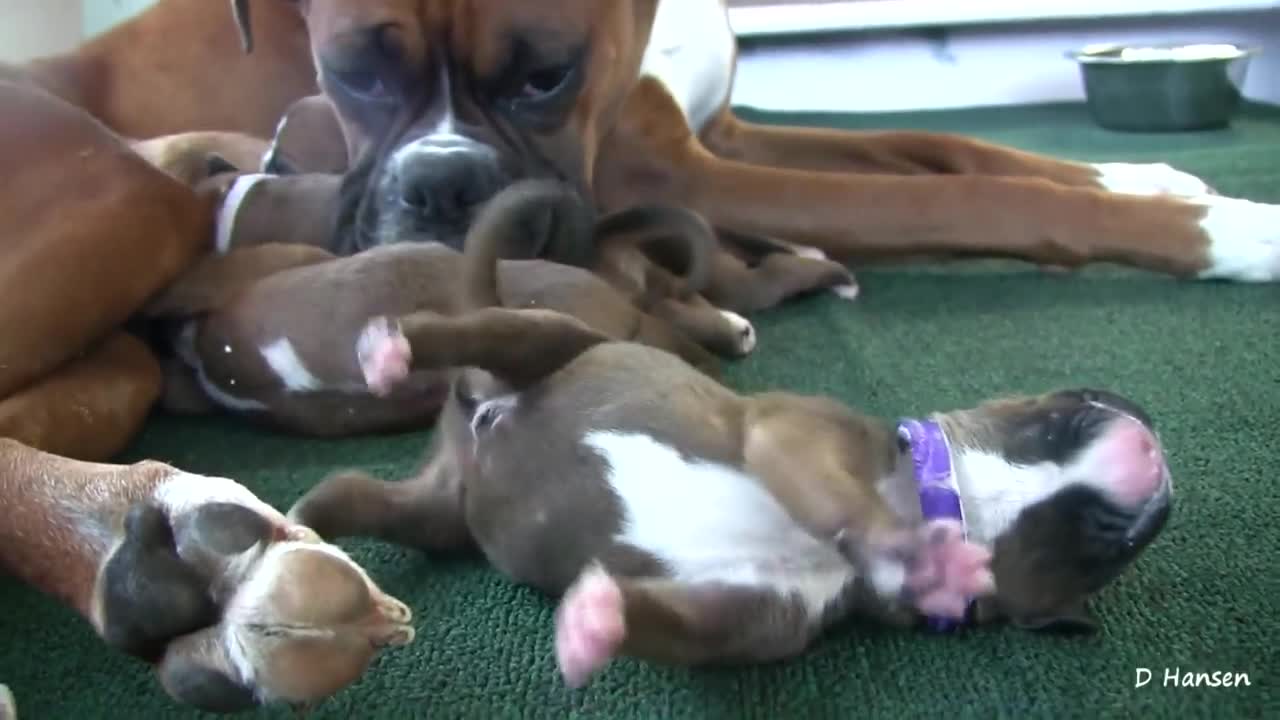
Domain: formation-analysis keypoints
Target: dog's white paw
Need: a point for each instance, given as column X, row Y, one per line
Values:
column 743, row 330
column 1150, row 179
column 846, row 292
column 8, row 708
column 812, row 253
column 1244, row 240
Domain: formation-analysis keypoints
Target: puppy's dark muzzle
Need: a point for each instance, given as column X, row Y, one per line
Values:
column 1151, row 518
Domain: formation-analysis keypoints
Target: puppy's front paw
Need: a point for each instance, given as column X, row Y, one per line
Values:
column 8, row 708
column 590, row 627
column 384, row 355
column 946, row 571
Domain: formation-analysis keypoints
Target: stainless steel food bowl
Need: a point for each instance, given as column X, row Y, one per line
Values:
column 1163, row 88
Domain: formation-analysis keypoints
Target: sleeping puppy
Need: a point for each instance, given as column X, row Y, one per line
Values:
column 235, row 605
column 680, row 522
column 267, row 331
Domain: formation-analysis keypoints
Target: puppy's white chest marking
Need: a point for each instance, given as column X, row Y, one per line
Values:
column 691, row 52
column 708, row 522
column 284, row 361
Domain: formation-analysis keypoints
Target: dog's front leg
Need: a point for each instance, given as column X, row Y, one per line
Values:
column 898, row 152
column 855, row 217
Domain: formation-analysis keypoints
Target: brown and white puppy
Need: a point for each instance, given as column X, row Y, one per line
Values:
column 681, row 522
column 268, row 331
column 235, row 605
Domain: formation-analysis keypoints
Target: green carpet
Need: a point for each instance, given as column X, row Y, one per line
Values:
column 1203, row 358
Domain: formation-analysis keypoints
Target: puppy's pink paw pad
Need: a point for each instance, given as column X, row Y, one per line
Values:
column 384, row 355
column 589, row 627
column 948, row 571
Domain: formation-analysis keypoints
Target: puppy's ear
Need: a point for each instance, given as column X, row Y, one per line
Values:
column 227, row 528
column 150, row 595
column 196, row 671
column 1074, row 619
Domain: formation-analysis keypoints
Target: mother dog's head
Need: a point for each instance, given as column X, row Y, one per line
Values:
column 444, row 102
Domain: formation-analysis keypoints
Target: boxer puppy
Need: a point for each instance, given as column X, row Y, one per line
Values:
column 235, row 605
column 267, row 330
column 8, row 708
column 681, row 522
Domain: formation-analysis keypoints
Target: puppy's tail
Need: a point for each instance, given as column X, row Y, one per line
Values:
column 519, row 346
column 530, row 219
column 677, row 239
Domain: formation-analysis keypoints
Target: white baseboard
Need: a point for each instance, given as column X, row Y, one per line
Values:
column 975, row 64
column 774, row 19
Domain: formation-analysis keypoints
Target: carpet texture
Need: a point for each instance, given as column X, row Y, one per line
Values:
column 1203, row 358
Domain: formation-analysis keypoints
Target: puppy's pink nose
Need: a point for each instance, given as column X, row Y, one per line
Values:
column 1136, row 464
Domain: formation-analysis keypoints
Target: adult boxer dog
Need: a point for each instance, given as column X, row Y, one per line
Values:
column 236, row 605
column 681, row 522
column 267, row 331
column 443, row 102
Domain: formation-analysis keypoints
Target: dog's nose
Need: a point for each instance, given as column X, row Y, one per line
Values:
column 444, row 186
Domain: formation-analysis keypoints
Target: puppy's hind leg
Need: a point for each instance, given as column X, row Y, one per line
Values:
column 723, row 332
column 424, row 512
column 777, row 277
column 660, row 620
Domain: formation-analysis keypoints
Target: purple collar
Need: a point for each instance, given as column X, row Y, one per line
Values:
column 935, row 481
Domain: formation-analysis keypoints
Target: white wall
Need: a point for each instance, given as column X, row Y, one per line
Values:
column 897, row 66
column 975, row 64
column 102, row 14
column 30, row 28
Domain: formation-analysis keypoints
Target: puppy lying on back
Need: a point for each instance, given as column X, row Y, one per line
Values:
column 681, row 522
column 234, row 604
column 268, row 330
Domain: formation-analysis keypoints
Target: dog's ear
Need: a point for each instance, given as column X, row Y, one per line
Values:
column 240, row 11
column 196, row 671
column 216, row 164
column 244, row 22
column 1075, row 618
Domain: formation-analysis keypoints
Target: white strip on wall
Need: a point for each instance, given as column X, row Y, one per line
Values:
column 979, row 65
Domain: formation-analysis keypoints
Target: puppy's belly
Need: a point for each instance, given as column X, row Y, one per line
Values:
column 712, row 523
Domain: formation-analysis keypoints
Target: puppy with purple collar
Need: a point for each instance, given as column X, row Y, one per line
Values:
column 678, row 521
column 235, row 605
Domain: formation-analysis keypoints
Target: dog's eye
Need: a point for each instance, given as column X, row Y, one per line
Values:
column 545, row 82
column 364, row 84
